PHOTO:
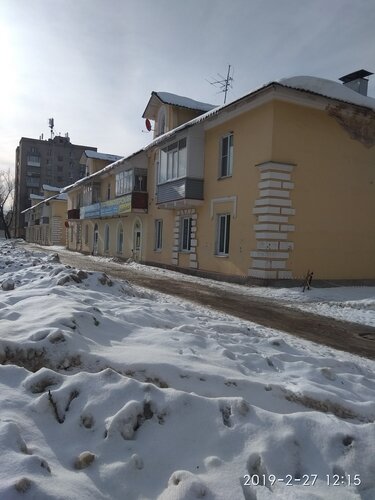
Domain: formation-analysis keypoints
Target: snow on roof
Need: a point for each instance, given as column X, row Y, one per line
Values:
column 47, row 187
column 36, row 197
column 57, row 197
column 184, row 102
column 328, row 88
column 101, row 156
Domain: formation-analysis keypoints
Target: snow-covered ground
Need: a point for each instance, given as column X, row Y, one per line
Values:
column 109, row 391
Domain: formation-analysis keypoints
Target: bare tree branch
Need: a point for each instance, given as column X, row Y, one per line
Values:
column 6, row 200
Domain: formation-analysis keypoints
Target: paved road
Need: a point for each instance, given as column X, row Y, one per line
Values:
column 351, row 337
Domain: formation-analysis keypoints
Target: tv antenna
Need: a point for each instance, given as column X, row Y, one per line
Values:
column 225, row 83
column 51, row 124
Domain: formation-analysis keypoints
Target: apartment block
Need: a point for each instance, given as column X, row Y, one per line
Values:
column 276, row 183
column 54, row 162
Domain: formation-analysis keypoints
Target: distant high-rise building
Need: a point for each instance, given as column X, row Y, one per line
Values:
column 55, row 162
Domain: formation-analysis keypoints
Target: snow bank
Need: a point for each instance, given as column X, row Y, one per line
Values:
column 107, row 391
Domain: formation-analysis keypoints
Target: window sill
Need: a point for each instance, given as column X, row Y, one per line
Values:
column 221, row 256
column 224, row 177
column 158, row 250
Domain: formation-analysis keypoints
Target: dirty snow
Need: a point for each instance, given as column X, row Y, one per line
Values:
column 109, row 391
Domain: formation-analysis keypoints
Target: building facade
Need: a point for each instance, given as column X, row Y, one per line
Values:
column 277, row 183
column 46, row 218
column 54, row 161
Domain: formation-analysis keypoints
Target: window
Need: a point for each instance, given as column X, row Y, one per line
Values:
column 106, row 238
column 108, row 192
column 120, row 238
column 226, row 156
column 33, row 160
column 161, row 121
column 186, row 223
column 86, row 234
column 173, row 161
column 223, row 230
column 158, row 234
column 124, row 182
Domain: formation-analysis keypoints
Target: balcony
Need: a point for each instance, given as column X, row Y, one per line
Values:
column 185, row 192
column 133, row 202
column 74, row 213
column 44, row 220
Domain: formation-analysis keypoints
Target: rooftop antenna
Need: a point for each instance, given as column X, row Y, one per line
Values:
column 224, row 83
column 51, row 124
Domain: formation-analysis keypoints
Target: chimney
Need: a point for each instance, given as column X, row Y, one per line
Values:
column 357, row 81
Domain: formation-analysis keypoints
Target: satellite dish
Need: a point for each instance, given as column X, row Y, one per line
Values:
column 148, row 125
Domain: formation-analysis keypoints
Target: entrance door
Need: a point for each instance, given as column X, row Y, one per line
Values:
column 137, row 241
column 96, row 238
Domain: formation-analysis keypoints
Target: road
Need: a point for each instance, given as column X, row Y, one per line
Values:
column 350, row 337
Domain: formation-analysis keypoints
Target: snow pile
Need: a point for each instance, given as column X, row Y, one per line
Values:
column 107, row 391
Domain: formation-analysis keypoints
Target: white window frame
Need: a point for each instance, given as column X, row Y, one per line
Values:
column 173, row 161
column 222, row 240
column 185, row 237
column 158, row 234
column 124, row 182
column 226, row 156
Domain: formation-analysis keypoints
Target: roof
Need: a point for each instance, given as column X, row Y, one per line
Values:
column 47, row 187
column 313, row 85
column 100, row 156
column 158, row 98
column 56, row 197
column 330, row 89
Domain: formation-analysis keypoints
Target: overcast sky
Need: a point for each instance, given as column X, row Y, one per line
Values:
column 92, row 64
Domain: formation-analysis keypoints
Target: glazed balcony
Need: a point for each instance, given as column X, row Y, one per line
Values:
column 185, row 192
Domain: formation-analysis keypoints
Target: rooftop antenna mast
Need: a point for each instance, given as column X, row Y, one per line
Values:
column 51, row 124
column 225, row 83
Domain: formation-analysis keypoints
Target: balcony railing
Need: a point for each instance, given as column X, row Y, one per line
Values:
column 74, row 213
column 133, row 202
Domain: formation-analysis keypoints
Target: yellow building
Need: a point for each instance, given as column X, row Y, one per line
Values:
column 46, row 217
column 272, row 185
